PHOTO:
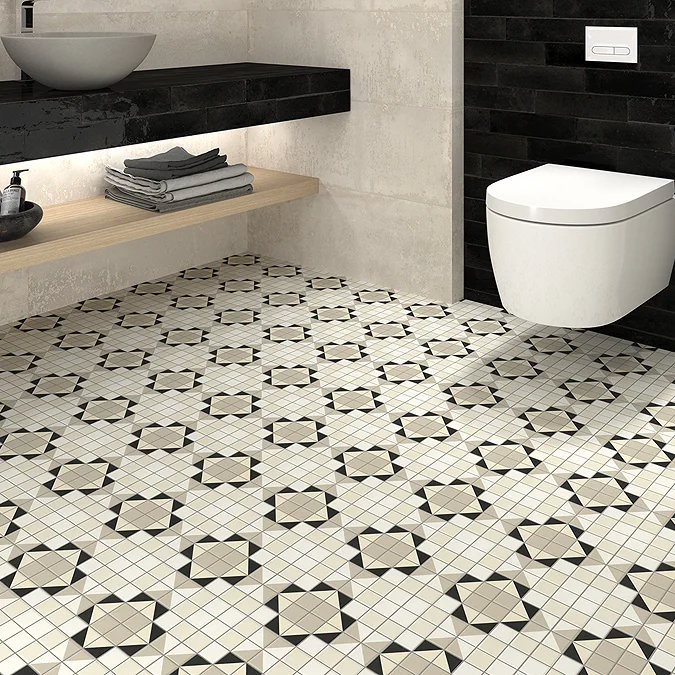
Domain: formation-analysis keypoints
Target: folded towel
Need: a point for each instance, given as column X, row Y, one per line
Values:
column 125, row 198
column 144, row 186
column 176, row 158
column 166, row 174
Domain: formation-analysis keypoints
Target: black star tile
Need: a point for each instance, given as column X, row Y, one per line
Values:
column 138, row 320
column 661, row 415
column 589, row 391
column 40, row 323
column 176, row 380
column 347, row 400
column 286, row 333
column 212, row 559
column 654, row 589
column 403, row 372
column 623, row 652
column 421, row 427
column 192, row 302
column 280, row 271
column 56, row 385
column 292, row 376
column 622, row 364
column 504, row 457
column 27, row 444
column 546, row 344
column 233, row 317
column 199, row 273
column 375, row 296
column 128, row 625
column 382, row 551
column 184, row 336
column 599, row 492
column 551, row 541
column 125, row 360
column 428, row 311
column 79, row 476
column 242, row 260
column 485, row 327
column 317, row 612
column 514, row 369
column 388, row 329
column 240, row 404
column 80, row 340
column 326, row 283
column 332, row 314
column 375, row 462
column 641, row 451
column 218, row 469
column 17, row 363
column 551, row 421
column 165, row 437
column 290, row 299
column 98, row 305
column 342, row 352
column 425, row 658
column 310, row 506
column 152, row 288
column 448, row 349
column 450, row 500
column 197, row 665
column 52, row 570
column 106, row 409
column 242, row 356
column 484, row 604
column 140, row 514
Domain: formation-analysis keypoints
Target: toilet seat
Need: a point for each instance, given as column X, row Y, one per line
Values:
column 566, row 195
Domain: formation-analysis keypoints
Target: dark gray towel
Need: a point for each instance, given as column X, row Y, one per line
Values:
column 168, row 174
column 176, row 158
column 118, row 195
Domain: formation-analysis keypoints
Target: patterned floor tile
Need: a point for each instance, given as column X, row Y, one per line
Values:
column 250, row 467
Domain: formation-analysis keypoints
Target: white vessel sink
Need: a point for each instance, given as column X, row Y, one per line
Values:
column 78, row 61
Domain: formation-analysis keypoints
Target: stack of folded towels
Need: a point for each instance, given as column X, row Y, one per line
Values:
column 176, row 180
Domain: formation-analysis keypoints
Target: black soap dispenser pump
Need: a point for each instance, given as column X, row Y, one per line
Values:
column 13, row 196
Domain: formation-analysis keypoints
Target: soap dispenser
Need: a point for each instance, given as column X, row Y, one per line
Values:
column 13, row 196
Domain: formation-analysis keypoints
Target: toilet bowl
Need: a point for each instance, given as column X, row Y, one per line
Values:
column 579, row 248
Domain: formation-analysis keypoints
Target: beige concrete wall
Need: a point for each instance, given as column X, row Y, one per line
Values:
column 390, row 211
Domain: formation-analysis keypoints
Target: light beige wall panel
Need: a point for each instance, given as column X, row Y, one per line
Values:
column 389, row 242
column 399, row 57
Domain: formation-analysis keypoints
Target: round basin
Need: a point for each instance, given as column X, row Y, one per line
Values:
column 78, row 61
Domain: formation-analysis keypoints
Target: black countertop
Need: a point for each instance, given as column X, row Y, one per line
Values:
column 152, row 105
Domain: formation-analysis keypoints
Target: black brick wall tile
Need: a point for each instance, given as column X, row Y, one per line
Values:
column 167, row 125
column 499, row 98
column 484, row 74
column 105, row 105
column 241, row 115
column 486, row 28
column 587, row 155
column 497, row 168
column 475, row 233
column 626, row 134
column 530, row 124
column 477, row 257
column 42, row 143
column 51, row 113
column 496, row 144
column 512, row 7
column 311, row 106
column 477, row 118
column 198, row 96
column 504, row 51
column 547, row 78
column 591, row 106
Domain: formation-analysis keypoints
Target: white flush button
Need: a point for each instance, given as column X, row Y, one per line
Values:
column 612, row 43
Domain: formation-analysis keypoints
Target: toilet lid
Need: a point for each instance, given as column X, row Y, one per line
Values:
column 566, row 195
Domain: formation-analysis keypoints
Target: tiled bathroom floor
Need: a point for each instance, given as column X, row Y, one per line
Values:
column 251, row 468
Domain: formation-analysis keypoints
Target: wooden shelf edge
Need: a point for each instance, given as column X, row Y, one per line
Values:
column 93, row 224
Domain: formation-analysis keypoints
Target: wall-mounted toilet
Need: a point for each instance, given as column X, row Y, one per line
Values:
column 580, row 248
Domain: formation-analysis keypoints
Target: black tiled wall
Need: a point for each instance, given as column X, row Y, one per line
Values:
column 532, row 99
column 152, row 105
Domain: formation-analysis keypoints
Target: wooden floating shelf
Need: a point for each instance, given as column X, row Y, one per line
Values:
column 92, row 224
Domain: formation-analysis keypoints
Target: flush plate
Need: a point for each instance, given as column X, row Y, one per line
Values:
column 612, row 43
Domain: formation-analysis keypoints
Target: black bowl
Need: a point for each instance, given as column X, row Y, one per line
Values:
column 20, row 224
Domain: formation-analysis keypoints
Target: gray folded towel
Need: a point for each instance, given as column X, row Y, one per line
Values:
column 176, row 158
column 143, row 186
column 167, row 174
column 125, row 198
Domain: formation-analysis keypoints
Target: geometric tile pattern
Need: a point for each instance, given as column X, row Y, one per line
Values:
column 249, row 467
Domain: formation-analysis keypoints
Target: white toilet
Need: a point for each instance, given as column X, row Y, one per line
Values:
column 579, row 248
